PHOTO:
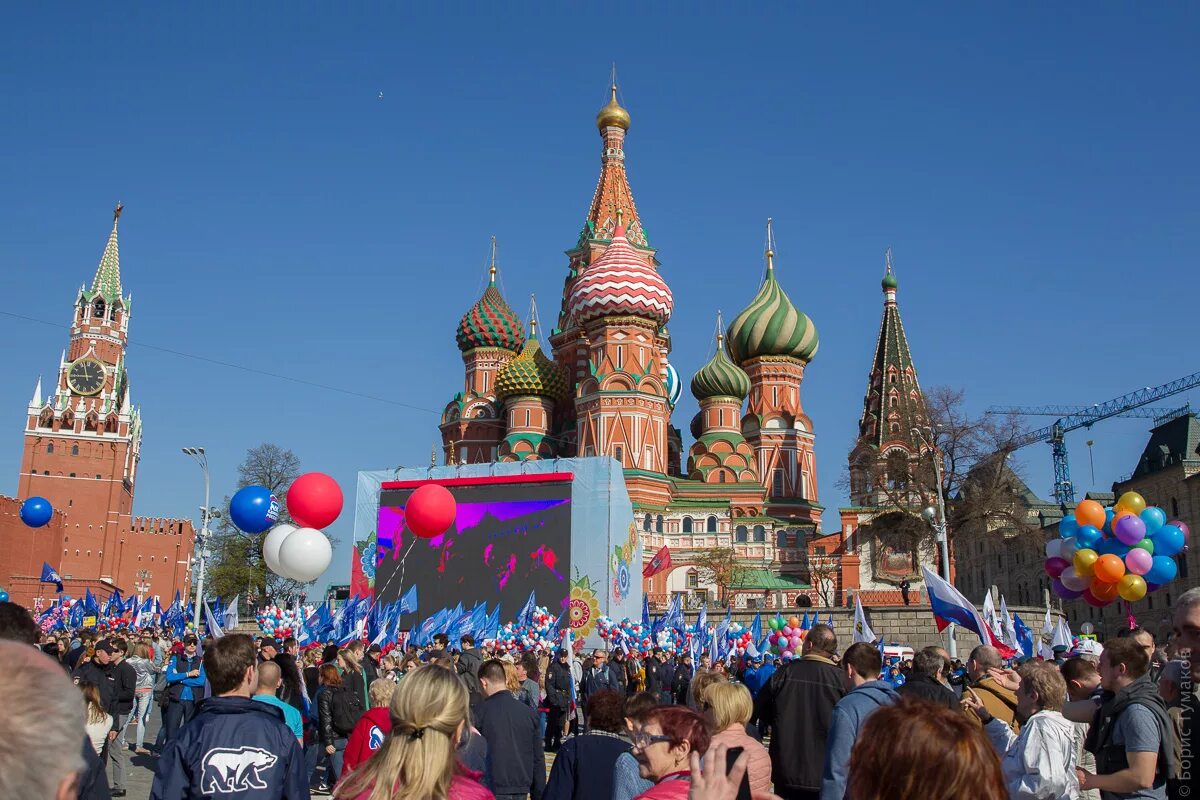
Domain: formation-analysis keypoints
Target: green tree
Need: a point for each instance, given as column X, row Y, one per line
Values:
column 236, row 564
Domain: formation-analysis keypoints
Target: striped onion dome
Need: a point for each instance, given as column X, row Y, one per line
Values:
column 720, row 377
column 490, row 323
column 771, row 325
column 621, row 283
column 674, row 385
column 531, row 373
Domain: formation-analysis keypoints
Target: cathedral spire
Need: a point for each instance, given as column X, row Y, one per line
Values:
column 894, row 404
column 107, row 282
column 37, row 394
column 612, row 190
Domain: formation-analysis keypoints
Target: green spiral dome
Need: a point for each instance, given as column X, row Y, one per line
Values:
column 531, row 373
column 771, row 326
column 720, row 377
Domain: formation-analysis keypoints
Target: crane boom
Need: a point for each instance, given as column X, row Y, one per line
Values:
column 1148, row 412
column 1055, row 434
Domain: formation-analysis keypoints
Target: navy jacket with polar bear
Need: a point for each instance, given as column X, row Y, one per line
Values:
column 234, row 749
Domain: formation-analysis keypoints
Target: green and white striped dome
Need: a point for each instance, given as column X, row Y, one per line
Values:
column 771, row 325
column 720, row 377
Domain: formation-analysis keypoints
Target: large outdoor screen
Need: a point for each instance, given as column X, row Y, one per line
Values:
column 512, row 535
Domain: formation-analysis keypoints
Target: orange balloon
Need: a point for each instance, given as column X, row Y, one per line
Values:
column 1108, row 569
column 1104, row 591
column 1089, row 512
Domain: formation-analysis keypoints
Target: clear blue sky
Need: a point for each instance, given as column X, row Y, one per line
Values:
column 1035, row 170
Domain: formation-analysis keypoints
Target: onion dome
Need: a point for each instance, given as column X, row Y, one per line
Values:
column 620, row 283
column 771, row 325
column 889, row 282
column 674, row 385
column 531, row 373
column 612, row 115
column 697, row 426
column 720, row 377
column 490, row 322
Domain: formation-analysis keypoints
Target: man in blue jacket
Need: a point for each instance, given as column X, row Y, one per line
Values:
column 185, row 686
column 234, row 748
column 861, row 665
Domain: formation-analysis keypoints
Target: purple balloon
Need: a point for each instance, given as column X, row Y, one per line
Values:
column 1063, row 591
column 1178, row 523
column 1153, row 587
column 1055, row 566
column 1130, row 529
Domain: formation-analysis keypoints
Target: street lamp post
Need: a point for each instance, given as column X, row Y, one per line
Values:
column 936, row 517
column 197, row 454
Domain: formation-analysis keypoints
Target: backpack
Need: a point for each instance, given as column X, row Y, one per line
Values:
column 345, row 708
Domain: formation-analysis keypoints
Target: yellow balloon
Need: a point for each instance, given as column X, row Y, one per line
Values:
column 1133, row 502
column 1131, row 587
column 1085, row 561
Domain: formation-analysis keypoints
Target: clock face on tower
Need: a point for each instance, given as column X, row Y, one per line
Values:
column 86, row 376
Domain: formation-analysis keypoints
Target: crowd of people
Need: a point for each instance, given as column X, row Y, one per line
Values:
column 261, row 719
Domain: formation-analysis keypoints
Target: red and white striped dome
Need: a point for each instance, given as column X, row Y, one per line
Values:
column 621, row 283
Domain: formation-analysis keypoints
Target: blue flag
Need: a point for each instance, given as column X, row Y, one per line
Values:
column 50, row 575
column 700, row 637
column 525, row 618
column 804, row 623
column 76, row 614
column 408, row 603
column 756, row 628
column 645, row 612
column 90, row 606
column 374, row 621
column 1024, row 636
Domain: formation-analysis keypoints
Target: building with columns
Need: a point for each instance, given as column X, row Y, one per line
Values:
column 82, row 447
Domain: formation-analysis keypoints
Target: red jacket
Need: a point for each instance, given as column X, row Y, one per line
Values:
column 366, row 738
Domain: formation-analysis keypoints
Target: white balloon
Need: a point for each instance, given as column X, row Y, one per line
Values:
column 271, row 543
column 305, row 555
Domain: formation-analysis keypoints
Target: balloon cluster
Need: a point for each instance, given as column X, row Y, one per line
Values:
column 280, row 622
column 1124, row 551
column 301, row 553
column 542, row 634
column 786, row 635
column 636, row 637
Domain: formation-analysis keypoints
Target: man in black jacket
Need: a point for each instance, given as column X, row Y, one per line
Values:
column 659, row 675
column 469, row 662
column 235, row 748
column 682, row 679
column 101, row 671
column 291, row 690
column 124, row 686
column 927, row 679
column 516, row 760
column 619, row 674
column 558, row 698
column 797, row 703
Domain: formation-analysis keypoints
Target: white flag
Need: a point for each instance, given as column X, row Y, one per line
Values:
column 1062, row 634
column 229, row 617
column 990, row 616
column 1008, row 626
column 862, row 631
column 214, row 630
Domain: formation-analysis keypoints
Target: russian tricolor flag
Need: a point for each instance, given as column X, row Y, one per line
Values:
column 949, row 605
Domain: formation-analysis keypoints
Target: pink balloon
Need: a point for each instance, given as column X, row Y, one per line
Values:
column 1138, row 561
column 795, row 642
column 1055, row 566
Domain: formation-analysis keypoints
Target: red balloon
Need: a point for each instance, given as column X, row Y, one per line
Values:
column 430, row 511
column 314, row 500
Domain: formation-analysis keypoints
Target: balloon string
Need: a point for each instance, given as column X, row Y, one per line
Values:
column 403, row 562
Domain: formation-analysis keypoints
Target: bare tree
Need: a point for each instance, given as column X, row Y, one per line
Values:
column 721, row 567
column 823, row 571
column 238, row 565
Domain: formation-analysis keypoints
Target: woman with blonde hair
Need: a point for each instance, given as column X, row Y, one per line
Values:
column 143, row 669
column 98, row 722
column 417, row 761
column 729, row 707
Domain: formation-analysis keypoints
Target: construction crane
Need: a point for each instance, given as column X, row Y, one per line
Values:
column 1055, row 434
column 1158, row 414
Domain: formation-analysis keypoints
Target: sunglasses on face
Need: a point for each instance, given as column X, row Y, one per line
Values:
column 642, row 740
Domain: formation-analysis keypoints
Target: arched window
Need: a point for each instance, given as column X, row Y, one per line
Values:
column 658, row 524
column 687, row 524
column 110, row 425
column 760, row 533
column 46, row 420
column 897, row 469
column 98, row 309
column 50, row 447
column 74, row 449
column 741, row 534
column 721, row 476
column 777, row 482
column 710, row 526
column 781, row 538
column 647, row 523
column 895, row 428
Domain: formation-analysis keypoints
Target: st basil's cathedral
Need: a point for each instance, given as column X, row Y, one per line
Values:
column 608, row 389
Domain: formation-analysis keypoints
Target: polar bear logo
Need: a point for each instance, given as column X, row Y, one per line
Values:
column 225, row 770
column 374, row 738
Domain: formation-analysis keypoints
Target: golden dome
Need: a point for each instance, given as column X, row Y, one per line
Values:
column 612, row 115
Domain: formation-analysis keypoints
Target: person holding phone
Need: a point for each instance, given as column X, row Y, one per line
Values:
column 730, row 708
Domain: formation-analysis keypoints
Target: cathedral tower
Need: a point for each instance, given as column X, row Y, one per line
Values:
column 530, row 387
column 721, row 453
column 489, row 336
column 773, row 342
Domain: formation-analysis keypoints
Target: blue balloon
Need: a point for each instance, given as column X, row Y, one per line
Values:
column 254, row 509
column 1161, row 571
column 36, row 512
column 1154, row 517
column 1108, row 518
column 1088, row 536
column 3, row 596
column 1069, row 527
column 1168, row 541
column 1107, row 547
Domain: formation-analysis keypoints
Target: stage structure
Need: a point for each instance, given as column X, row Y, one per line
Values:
column 562, row 528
